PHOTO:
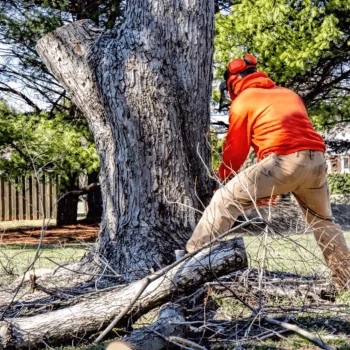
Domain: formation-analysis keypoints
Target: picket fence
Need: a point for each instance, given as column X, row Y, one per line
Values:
column 28, row 199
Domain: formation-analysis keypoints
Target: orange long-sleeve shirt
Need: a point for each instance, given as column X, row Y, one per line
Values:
column 268, row 118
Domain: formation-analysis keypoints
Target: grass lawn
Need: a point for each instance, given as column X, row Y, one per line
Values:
column 298, row 254
column 22, row 224
column 15, row 259
column 295, row 253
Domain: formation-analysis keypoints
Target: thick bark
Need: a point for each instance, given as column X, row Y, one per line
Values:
column 145, row 90
column 93, row 313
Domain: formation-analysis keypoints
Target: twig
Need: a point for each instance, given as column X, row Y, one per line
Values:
column 292, row 327
column 78, row 272
column 161, row 273
column 42, row 235
column 262, row 265
column 178, row 340
column 285, row 325
column 169, row 341
column 270, row 333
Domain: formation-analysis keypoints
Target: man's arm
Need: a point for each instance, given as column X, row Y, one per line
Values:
column 236, row 146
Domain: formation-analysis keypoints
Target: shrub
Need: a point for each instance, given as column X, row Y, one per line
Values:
column 339, row 183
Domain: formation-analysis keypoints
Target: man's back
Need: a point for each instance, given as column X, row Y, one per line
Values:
column 277, row 121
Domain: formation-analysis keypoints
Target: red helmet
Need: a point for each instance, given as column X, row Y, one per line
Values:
column 238, row 69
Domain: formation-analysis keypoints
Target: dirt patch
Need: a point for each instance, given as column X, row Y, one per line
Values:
column 53, row 235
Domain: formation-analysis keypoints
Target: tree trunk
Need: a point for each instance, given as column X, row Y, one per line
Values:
column 67, row 209
column 67, row 206
column 95, row 311
column 145, row 90
column 94, row 200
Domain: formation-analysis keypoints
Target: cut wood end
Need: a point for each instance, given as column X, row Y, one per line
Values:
column 51, row 35
column 119, row 345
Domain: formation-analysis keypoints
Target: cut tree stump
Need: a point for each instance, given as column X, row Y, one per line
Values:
column 94, row 313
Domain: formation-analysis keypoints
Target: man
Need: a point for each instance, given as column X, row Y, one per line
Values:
column 274, row 121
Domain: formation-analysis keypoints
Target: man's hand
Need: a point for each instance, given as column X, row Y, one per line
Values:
column 190, row 246
column 267, row 202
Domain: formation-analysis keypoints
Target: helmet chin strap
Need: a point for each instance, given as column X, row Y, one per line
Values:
column 248, row 71
column 240, row 76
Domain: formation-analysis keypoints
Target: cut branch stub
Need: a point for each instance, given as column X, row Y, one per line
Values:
column 66, row 54
column 119, row 345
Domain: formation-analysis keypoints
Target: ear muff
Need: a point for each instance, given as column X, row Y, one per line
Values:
column 239, row 68
column 236, row 66
column 240, row 64
column 250, row 60
column 230, row 83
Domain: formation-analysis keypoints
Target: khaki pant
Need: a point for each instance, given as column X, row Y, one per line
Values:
column 302, row 173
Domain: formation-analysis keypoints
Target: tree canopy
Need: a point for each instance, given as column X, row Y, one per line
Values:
column 35, row 142
column 301, row 44
column 23, row 76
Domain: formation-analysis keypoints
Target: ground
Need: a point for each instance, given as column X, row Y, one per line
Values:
column 293, row 253
column 20, row 240
column 297, row 254
column 30, row 233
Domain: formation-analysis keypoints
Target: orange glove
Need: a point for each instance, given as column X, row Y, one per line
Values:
column 268, row 201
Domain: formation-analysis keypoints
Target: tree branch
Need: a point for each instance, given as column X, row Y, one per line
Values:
column 92, row 187
column 21, row 95
column 91, row 314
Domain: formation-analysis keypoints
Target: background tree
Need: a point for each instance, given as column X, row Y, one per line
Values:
column 302, row 45
column 23, row 75
column 50, row 145
column 26, row 83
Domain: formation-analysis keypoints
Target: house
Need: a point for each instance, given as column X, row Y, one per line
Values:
column 338, row 156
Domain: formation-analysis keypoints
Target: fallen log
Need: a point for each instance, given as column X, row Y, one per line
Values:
column 91, row 315
column 155, row 337
column 284, row 290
